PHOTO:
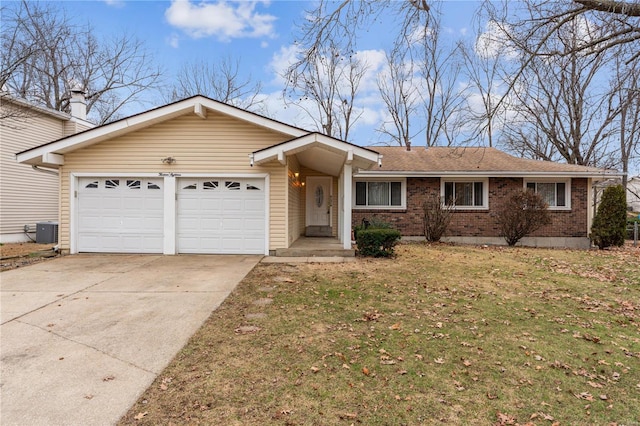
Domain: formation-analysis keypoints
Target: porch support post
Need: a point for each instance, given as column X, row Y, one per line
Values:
column 347, row 177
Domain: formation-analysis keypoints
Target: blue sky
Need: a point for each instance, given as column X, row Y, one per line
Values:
column 259, row 34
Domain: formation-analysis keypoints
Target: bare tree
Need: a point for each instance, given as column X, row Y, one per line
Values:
column 564, row 111
column 330, row 82
column 47, row 54
column 626, row 93
column 218, row 80
column 399, row 92
column 486, row 68
column 330, row 20
column 440, row 66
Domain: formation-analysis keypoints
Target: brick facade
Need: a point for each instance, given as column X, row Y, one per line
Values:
column 480, row 223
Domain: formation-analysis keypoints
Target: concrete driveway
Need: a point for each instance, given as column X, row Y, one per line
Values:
column 83, row 336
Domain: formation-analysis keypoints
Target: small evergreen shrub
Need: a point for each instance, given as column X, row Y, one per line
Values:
column 610, row 223
column 369, row 224
column 377, row 242
column 523, row 213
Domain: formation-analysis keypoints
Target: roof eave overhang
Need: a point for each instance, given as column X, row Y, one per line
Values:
column 487, row 174
column 363, row 156
column 197, row 105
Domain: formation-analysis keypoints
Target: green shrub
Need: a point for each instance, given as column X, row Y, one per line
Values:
column 377, row 242
column 610, row 223
column 370, row 224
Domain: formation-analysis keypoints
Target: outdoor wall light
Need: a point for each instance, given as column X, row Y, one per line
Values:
column 168, row 160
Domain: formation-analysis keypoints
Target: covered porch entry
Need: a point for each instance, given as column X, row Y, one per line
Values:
column 318, row 196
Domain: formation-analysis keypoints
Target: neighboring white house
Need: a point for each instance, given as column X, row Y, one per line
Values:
column 29, row 195
column 633, row 193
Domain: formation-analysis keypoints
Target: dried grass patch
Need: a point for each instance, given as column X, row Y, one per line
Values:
column 440, row 334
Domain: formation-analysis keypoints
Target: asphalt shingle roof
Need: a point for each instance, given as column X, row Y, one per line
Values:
column 467, row 159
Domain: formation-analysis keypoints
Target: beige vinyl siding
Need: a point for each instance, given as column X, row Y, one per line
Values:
column 74, row 126
column 218, row 144
column 27, row 196
column 296, row 222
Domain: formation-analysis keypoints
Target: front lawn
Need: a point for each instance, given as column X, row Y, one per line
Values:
column 440, row 334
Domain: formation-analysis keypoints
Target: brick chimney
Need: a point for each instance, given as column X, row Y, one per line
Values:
column 78, row 103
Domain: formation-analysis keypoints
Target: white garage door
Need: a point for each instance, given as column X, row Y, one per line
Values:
column 221, row 215
column 120, row 215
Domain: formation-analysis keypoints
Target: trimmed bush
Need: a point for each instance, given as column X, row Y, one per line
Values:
column 523, row 213
column 377, row 242
column 610, row 223
column 369, row 224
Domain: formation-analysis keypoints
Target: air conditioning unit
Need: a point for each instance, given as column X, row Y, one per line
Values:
column 46, row 232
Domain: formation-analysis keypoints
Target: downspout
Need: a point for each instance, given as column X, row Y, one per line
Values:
column 43, row 170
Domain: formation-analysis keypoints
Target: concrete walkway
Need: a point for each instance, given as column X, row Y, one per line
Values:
column 83, row 336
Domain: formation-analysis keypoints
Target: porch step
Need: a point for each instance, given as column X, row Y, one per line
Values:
column 305, row 252
column 318, row 231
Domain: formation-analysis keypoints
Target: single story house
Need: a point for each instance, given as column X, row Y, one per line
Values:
column 29, row 195
column 200, row 176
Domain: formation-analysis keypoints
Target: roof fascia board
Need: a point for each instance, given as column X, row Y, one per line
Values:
column 604, row 175
column 151, row 117
column 98, row 134
column 249, row 116
column 313, row 140
column 30, row 105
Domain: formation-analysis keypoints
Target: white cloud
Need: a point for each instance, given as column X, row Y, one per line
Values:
column 173, row 40
column 494, row 41
column 222, row 19
column 115, row 3
column 281, row 60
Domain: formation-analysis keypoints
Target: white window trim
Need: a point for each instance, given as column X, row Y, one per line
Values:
column 403, row 193
column 485, row 191
column 567, row 190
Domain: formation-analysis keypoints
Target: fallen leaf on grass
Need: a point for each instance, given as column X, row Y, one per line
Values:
column 365, row 371
column 396, row 326
column 584, row 395
column 347, row 416
column 594, row 384
column 505, row 419
column 140, row 416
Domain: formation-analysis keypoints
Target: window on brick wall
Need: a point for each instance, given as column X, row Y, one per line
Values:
column 557, row 194
column 466, row 194
column 380, row 194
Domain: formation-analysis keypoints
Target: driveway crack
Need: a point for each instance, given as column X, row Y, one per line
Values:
column 89, row 347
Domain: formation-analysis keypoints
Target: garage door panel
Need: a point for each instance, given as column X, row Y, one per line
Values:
column 254, row 225
column 120, row 215
column 213, row 215
column 254, row 205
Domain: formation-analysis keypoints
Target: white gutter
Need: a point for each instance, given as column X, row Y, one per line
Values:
column 485, row 174
column 45, row 170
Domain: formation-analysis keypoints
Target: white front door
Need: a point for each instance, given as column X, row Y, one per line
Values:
column 319, row 200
